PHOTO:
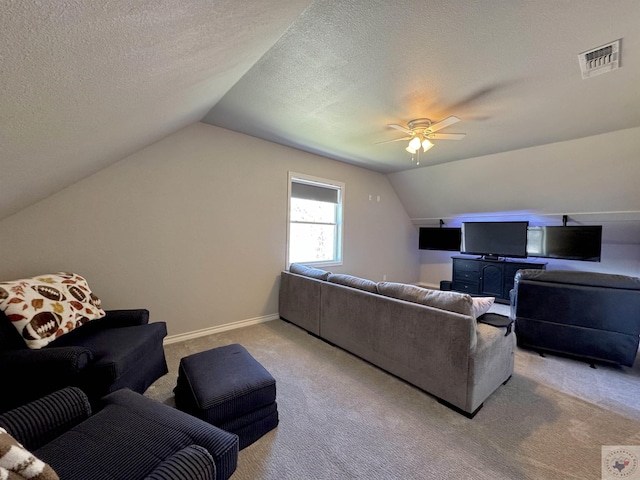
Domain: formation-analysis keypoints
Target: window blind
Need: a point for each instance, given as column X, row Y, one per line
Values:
column 318, row 193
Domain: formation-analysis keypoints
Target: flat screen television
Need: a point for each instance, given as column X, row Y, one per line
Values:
column 495, row 239
column 435, row 238
column 581, row 242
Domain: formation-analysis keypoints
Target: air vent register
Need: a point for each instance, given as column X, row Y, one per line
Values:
column 603, row 59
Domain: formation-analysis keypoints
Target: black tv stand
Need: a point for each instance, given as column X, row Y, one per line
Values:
column 488, row 277
column 490, row 257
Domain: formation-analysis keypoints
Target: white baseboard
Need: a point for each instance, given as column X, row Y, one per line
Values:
column 180, row 337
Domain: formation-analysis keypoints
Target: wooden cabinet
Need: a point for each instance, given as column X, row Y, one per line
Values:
column 488, row 278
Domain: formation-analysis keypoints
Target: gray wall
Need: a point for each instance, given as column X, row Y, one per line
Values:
column 597, row 174
column 594, row 180
column 194, row 228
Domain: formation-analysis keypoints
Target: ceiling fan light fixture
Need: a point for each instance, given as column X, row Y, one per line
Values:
column 420, row 131
column 426, row 144
column 414, row 144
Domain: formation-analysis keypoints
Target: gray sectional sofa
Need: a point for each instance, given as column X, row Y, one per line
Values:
column 428, row 338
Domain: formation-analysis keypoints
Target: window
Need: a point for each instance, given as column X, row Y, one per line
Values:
column 315, row 220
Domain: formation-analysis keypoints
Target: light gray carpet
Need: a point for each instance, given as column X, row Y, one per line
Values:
column 342, row 418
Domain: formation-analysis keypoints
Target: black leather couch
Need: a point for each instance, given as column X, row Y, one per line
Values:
column 131, row 437
column 594, row 316
column 120, row 350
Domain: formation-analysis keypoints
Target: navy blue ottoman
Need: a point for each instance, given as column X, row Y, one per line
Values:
column 230, row 389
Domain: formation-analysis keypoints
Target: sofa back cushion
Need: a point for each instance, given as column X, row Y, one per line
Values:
column 309, row 272
column 354, row 282
column 450, row 301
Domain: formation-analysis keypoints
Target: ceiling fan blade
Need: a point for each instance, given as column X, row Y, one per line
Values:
column 400, row 127
column 444, row 123
column 396, row 140
column 448, row 136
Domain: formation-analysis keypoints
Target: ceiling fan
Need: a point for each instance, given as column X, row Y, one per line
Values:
column 421, row 131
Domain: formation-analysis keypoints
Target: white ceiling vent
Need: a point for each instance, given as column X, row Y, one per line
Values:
column 600, row 60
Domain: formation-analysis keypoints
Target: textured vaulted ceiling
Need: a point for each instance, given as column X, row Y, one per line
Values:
column 85, row 83
column 508, row 69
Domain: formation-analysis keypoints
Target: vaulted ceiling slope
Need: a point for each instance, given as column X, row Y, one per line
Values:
column 84, row 83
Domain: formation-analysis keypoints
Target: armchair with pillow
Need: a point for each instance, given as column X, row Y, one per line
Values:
column 131, row 437
column 54, row 333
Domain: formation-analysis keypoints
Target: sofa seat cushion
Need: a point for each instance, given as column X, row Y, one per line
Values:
column 117, row 350
column 354, row 282
column 450, row 301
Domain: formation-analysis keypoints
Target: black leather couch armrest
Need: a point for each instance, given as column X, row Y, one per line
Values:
column 38, row 422
column 191, row 463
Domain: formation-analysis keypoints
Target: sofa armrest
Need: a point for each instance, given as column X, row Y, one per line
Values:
column 121, row 318
column 299, row 301
column 63, row 361
column 490, row 365
column 191, row 463
column 38, row 422
column 29, row 374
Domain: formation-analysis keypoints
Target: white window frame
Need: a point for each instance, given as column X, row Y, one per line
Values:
column 340, row 187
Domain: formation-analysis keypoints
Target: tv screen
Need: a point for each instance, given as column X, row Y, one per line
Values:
column 435, row 238
column 583, row 242
column 495, row 239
